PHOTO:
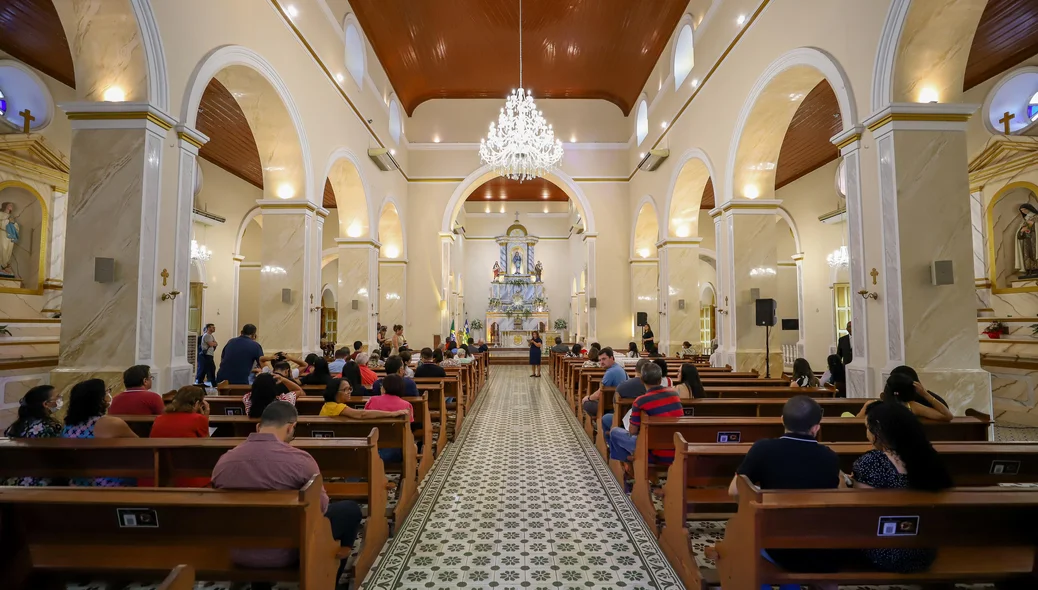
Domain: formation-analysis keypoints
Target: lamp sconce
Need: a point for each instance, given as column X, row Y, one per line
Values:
column 722, row 311
column 172, row 295
column 866, row 295
column 315, row 308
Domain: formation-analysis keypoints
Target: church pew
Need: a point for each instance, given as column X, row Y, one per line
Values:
column 90, row 531
column 181, row 578
column 394, row 433
column 981, row 535
column 449, row 386
column 166, row 460
column 658, row 434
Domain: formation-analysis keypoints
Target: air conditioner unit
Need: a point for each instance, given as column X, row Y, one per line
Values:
column 383, row 159
column 653, row 159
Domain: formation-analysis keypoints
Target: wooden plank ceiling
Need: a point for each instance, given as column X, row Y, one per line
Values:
column 231, row 143
column 501, row 189
column 31, row 31
column 806, row 146
column 1007, row 35
column 708, row 195
column 329, row 195
column 602, row 49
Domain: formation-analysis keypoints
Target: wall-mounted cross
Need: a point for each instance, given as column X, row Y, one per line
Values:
column 874, row 273
column 165, row 275
column 27, row 120
column 1006, row 118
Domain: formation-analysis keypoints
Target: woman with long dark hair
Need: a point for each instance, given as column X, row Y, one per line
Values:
column 87, row 418
column 662, row 364
column 803, row 376
column 902, row 390
column 648, row 338
column 535, row 354
column 902, row 458
column 35, row 421
column 320, row 375
column 835, row 374
column 187, row 416
column 632, row 350
column 267, row 388
column 351, row 374
column 691, row 386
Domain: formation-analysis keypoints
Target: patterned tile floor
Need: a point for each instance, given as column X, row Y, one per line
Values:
column 522, row 500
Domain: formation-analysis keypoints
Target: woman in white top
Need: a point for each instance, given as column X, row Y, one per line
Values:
column 662, row 364
column 632, row 351
column 803, row 376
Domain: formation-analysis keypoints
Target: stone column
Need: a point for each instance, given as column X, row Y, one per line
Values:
column 725, row 343
column 235, row 326
column 591, row 288
column 679, row 292
column 924, row 196
column 446, row 288
column 358, row 285
column 981, row 281
column 287, row 229
column 645, row 280
column 180, row 372
column 313, row 343
column 752, row 274
column 113, row 204
column 54, row 277
column 392, row 288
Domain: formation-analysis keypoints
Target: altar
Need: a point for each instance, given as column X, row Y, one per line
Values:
column 517, row 306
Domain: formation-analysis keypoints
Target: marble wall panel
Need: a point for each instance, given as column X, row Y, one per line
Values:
column 1014, row 394
column 682, row 282
column 354, row 284
column 22, row 306
column 106, row 48
column 1015, row 305
column 284, row 245
column 644, row 298
column 392, row 290
column 754, row 267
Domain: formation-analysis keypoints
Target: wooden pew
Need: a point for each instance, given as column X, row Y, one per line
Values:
column 449, row 386
column 167, row 460
column 394, row 433
column 67, row 531
column 981, row 535
column 181, row 578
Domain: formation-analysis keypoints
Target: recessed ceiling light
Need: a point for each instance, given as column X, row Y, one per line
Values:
column 436, row 139
column 545, row 208
column 663, row 125
column 292, row 11
column 695, row 82
column 392, row 152
column 340, row 78
column 573, row 139
column 741, row 19
column 641, row 155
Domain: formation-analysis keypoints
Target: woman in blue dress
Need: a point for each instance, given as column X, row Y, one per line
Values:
column 535, row 354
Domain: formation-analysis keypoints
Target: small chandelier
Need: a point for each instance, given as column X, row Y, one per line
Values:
column 838, row 257
column 200, row 252
column 522, row 146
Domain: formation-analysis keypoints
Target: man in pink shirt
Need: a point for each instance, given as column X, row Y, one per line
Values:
column 138, row 399
column 267, row 462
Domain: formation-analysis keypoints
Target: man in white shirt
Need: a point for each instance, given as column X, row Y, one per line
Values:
column 715, row 356
column 205, row 359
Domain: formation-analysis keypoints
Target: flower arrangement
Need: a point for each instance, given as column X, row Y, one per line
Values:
column 560, row 324
column 996, row 329
column 493, row 304
column 518, row 282
column 476, row 325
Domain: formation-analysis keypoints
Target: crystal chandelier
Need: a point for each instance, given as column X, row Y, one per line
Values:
column 522, row 146
column 838, row 257
column 200, row 252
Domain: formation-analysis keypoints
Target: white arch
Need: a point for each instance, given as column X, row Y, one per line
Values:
column 345, row 153
column 690, row 154
column 707, row 288
column 154, row 53
column 200, row 265
column 252, row 214
column 886, row 53
column 461, row 192
column 637, row 215
column 391, row 200
column 237, row 55
column 812, row 57
column 781, row 212
column 708, row 253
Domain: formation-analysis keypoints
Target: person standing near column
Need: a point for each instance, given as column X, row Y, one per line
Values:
column 843, row 347
column 205, row 360
column 535, row 354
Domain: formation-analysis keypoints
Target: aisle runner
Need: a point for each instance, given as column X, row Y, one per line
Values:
column 522, row 501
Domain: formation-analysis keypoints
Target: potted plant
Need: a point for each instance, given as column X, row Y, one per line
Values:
column 475, row 325
column 4, row 331
column 493, row 304
column 995, row 329
column 560, row 324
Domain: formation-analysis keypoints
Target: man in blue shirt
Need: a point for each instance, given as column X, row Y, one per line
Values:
column 335, row 367
column 395, row 366
column 239, row 356
column 614, row 376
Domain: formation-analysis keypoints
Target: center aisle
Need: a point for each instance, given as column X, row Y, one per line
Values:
column 522, row 500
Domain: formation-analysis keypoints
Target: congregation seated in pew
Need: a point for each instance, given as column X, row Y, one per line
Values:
column 35, row 420
column 186, row 416
column 657, row 401
column 341, row 356
column 803, row 376
column 265, row 461
column 87, row 417
column 690, row 386
column 268, row 388
column 427, row 365
column 138, row 399
column 613, row 377
column 903, row 387
column 395, row 366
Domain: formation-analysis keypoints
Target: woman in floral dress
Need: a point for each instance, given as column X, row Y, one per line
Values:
column 87, row 418
column 35, row 421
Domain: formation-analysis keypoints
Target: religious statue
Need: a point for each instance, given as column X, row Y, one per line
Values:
column 1027, row 242
column 497, row 271
column 517, row 262
column 8, row 238
column 537, row 270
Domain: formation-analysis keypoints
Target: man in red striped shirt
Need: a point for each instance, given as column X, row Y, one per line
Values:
column 657, row 401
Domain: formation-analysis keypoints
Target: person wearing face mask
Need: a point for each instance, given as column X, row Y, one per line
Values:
column 35, row 420
column 266, row 461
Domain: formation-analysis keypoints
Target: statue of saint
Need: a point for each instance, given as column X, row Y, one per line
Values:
column 1027, row 242
column 497, row 271
column 537, row 270
column 8, row 238
column 517, row 262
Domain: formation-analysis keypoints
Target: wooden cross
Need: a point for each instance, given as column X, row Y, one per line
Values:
column 165, row 275
column 27, row 120
column 1006, row 118
column 874, row 273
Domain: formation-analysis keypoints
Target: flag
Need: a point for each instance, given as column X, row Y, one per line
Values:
column 452, row 326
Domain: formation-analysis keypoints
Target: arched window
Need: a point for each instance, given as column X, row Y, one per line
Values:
column 3, row 104
column 1016, row 94
column 684, row 55
column 356, row 59
column 641, row 121
column 395, row 120
column 1032, row 107
column 21, row 89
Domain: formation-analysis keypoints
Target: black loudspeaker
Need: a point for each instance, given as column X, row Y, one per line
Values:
column 643, row 318
column 767, row 312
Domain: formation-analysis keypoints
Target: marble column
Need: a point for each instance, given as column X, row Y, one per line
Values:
column 679, row 282
column 645, row 280
column 752, row 274
column 236, row 289
column 285, row 275
column 180, row 372
column 54, row 277
column 591, row 289
column 922, row 158
column 446, row 288
column 113, row 213
column 980, row 253
column 358, row 284
column 863, row 372
column 798, row 260
column 392, row 286
column 313, row 341
column 725, row 343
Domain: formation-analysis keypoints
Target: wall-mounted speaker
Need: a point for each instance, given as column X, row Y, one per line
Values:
column 104, row 270
column 643, row 318
column 941, row 272
column 754, row 294
column 767, row 312
column 681, row 304
column 593, row 302
column 355, row 304
column 286, row 296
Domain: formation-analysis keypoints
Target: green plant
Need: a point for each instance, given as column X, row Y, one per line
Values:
column 516, row 282
column 4, row 331
column 560, row 324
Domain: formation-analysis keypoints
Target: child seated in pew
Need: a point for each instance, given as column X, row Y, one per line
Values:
column 35, row 420
column 803, row 376
column 903, row 458
column 265, row 461
column 88, row 404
